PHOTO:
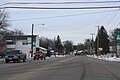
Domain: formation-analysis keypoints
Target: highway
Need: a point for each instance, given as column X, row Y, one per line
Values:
column 61, row 68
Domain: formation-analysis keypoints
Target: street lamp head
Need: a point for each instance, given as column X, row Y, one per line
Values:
column 43, row 24
column 39, row 24
column 92, row 33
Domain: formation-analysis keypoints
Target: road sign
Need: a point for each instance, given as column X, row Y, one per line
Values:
column 29, row 39
column 117, row 33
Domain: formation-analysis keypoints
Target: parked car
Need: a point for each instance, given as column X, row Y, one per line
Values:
column 39, row 55
column 2, row 54
column 79, row 53
column 15, row 56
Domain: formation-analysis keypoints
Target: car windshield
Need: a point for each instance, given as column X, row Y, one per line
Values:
column 13, row 52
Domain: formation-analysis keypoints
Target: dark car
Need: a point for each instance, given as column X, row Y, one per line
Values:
column 39, row 55
column 15, row 56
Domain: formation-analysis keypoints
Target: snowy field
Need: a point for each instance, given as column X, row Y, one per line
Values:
column 105, row 57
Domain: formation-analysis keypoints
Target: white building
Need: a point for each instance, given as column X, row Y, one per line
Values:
column 22, row 43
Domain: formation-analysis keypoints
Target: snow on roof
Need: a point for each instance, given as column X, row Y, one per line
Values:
column 42, row 48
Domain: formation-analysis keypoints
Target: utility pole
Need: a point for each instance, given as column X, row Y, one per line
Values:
column 98, row 41
column 32, row 41
column 32, row 45
column 92, row 43
column 54, row 47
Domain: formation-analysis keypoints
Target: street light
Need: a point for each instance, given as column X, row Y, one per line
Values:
column 92, row 43
column 32, row 38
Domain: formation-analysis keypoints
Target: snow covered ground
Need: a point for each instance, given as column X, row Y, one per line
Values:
column 59, row 55
column 105, row 57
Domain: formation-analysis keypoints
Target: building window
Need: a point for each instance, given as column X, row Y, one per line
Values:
column 24, row 43
column 10, row 42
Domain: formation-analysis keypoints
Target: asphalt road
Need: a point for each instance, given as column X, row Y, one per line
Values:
column 67, row 68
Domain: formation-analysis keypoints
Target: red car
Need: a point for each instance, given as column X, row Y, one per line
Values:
column 39, row 55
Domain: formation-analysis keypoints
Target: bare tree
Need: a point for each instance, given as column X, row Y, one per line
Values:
column 68, row 46
column 3, row 20
column 18, row 32
column 3, row 24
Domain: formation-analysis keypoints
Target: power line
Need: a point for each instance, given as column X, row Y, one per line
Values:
column 62, row 8
column 112, row 18
column 118, row 24
column 64, row 15
column 102, row 20
column 83, row 2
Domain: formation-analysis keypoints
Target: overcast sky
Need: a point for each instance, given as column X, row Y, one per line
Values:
column 75, row 25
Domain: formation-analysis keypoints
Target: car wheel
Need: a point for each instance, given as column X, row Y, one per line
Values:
column 41, row 58
column 18, row 60
column 14, row 61
column 7, row 61
column 24, row 60
column 34, row 58
column 44, row 58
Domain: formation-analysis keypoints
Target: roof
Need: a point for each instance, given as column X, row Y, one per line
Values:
column 42, row 48
column 21, row 37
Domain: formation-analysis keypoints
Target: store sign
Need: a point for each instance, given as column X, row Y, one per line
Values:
column 29, row 40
